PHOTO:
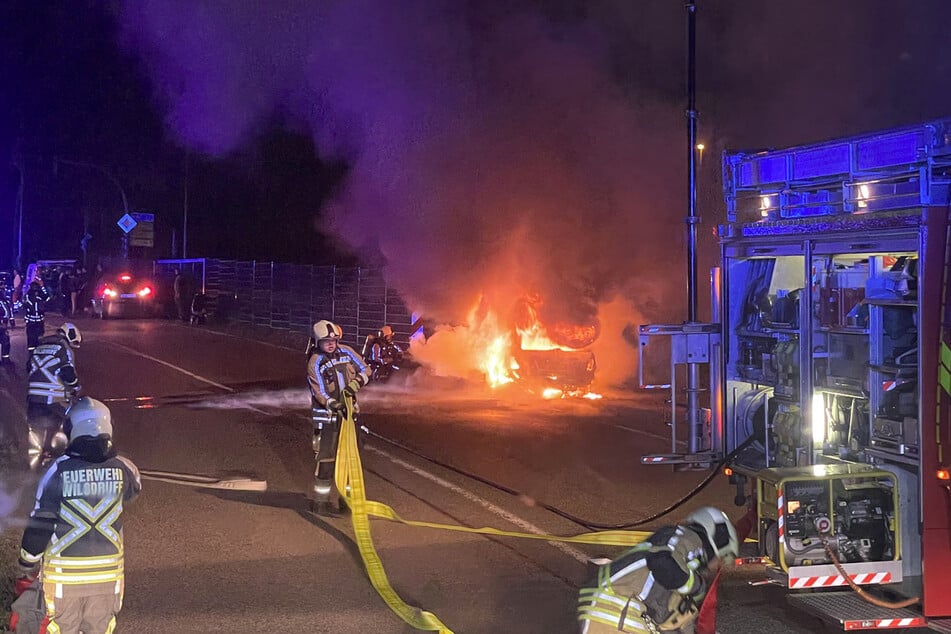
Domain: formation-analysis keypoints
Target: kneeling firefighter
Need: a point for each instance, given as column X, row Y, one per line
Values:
column 73, row 539
column 334, row 370
column 658, row 585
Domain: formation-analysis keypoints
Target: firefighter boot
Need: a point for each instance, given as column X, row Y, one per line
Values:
column 322, row 503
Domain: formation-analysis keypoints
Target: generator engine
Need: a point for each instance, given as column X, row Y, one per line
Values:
column 858, row 528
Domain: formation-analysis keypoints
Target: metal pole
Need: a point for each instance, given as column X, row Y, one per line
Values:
column 695, row 421
column 185, row 213
column 692, row 218
column 20, row 195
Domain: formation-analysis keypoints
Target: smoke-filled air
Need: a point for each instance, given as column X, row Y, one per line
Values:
column 492, row 154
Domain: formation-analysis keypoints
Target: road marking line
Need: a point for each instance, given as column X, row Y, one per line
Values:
column 646, row 433
column 182, row 370
column 489, row 506
column 169, row 365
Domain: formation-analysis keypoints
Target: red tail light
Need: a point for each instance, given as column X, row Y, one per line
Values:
column 145, row 291
column 125, row 277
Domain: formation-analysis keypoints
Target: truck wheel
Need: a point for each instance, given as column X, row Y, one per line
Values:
column 770, row 546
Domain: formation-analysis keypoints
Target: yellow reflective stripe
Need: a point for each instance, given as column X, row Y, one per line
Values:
column 79, row 529
column 609, row 597
column 85, row 562
column 944, row 369
column 609, row 618
column 94, row 512
column 69, row 578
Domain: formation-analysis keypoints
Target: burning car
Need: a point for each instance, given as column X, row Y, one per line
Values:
column 557, row 372
column 552, row 356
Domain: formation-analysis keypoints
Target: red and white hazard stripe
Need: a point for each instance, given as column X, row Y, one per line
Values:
column 781, row 520
column 828, row 581
column 885, row 624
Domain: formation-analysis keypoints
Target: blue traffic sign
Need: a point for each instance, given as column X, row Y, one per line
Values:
column 127, row 223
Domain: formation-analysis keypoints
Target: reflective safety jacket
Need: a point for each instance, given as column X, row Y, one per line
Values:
column 6, row 311
column 52, row 373
column 655, row 587
column 329, row 374
column 75, row 527
column 34, row 304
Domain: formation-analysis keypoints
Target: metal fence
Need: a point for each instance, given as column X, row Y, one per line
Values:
column 294, row 296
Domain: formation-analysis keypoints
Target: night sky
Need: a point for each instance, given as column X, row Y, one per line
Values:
column 474, row 146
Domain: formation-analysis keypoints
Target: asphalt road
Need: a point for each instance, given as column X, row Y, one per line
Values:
column 193, row 400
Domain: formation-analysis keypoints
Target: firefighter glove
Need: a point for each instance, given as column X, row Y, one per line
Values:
column 27, row 571
column 352, row 388
column 336, row 406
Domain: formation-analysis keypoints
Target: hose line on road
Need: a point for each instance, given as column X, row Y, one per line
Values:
column 565, row 514
column 348, row 477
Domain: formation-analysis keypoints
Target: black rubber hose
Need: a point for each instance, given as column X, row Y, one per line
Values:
column 564, row 514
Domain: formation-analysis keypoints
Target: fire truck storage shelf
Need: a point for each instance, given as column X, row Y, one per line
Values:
column 831, row 297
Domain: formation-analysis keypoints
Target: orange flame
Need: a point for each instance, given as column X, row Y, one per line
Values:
column 498, row 363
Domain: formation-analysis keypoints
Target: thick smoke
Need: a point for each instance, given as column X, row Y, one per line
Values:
column 497, row 147
column 490, row 150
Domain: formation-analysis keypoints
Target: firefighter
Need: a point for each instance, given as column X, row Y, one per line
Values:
column 6, row 321
column 382, row 353
column 53, row 383
column 333, row 371
column 34, row 313
column 73, row 540
column 658, row 585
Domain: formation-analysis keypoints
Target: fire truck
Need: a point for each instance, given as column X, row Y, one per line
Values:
column 829, row 364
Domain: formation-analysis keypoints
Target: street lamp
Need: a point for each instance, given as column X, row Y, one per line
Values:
column 115, row 181
column 19, row 211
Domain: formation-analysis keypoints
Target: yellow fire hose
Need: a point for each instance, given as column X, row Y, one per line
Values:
column 348, row 476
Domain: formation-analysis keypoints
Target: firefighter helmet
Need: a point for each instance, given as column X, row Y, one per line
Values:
column 324, row 329
column 71, row 333
column 718, row 530
column 88, row 417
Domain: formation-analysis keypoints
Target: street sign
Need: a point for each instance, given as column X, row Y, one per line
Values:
column 127, row 223
column 143, row 235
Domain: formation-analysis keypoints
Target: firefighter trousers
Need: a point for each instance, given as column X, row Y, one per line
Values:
column 34, row 330
column 95, row 614
column 325, row 441
column 43, row 421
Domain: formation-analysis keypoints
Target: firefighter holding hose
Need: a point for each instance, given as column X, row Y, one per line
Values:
column 658, row 585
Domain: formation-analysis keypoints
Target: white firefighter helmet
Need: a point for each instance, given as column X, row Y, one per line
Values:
column 324, row 329
column 88, row 417
column 71, row 333
column 718, row 529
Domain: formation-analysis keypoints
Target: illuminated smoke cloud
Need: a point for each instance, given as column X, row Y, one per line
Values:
column 497, row 146
column 490, row 148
